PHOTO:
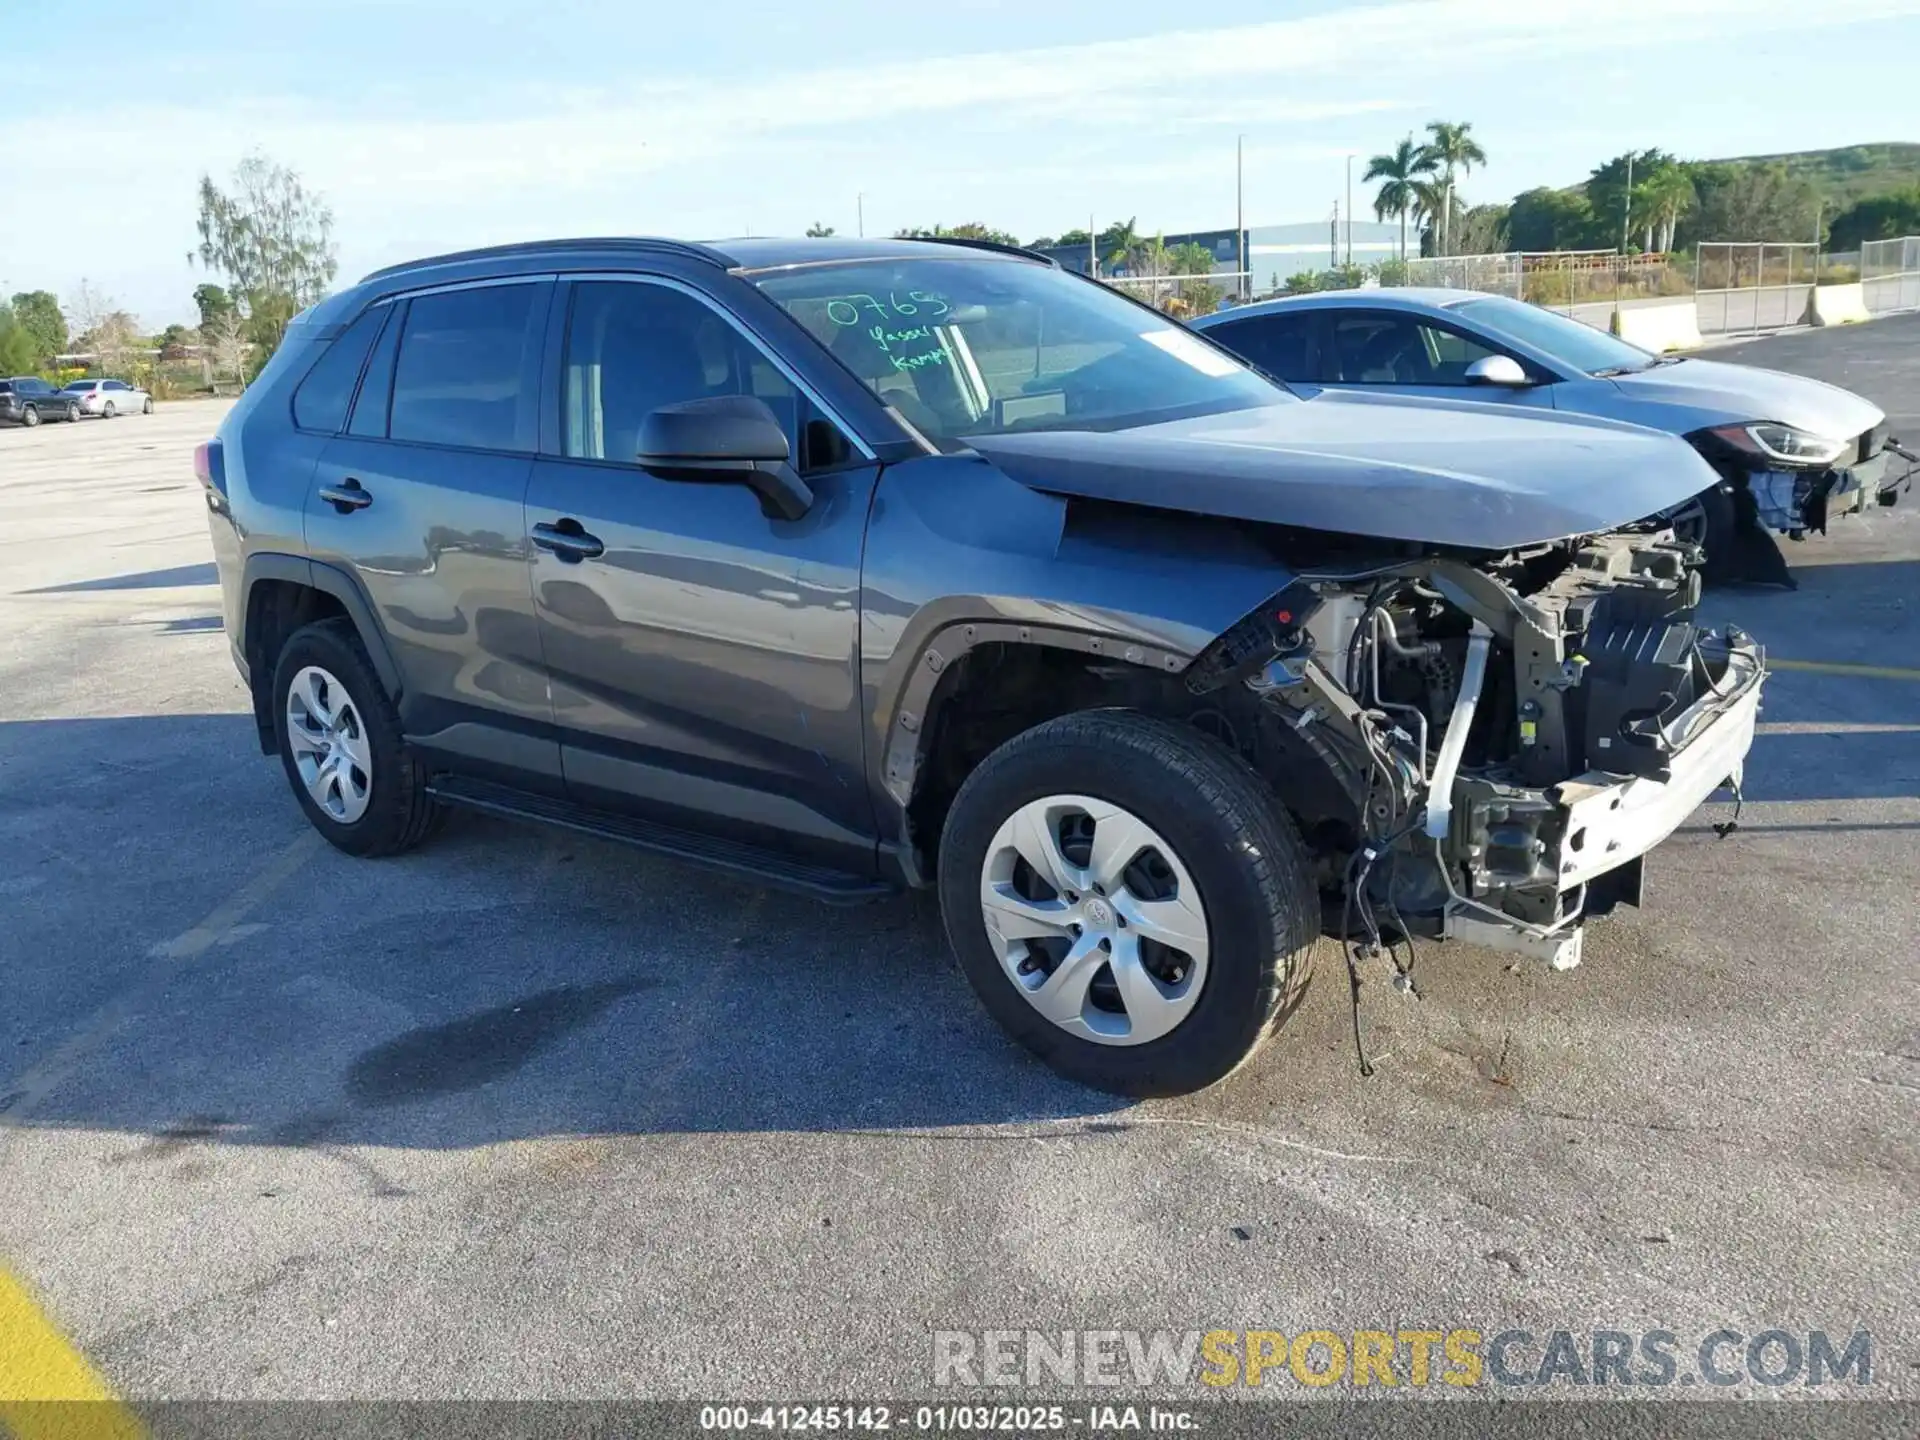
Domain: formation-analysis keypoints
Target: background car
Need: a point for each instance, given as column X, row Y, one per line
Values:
column 27, row 400
column 1789, row 450
column 108, row 398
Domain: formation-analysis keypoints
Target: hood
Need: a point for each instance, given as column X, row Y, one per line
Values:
column 1440, row 472
column 1742, row 392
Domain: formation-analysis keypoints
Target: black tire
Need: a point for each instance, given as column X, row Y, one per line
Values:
column 30, row 417
column 399, row 813
column 146, row 406
column 1719, row 532
column 1240, row 847
column 73, row 414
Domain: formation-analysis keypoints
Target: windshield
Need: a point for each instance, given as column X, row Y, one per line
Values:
column 83, row 385
column 968, row 346
column 1568, row 341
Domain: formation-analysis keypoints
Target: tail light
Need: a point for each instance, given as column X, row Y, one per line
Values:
column 209, row 466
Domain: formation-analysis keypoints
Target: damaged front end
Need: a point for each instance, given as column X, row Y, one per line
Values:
column 1509, row 735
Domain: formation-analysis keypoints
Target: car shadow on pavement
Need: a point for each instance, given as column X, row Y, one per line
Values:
column 505, row 982
column 167, row 579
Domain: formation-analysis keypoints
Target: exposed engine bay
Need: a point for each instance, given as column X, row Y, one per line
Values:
column 1509, row 735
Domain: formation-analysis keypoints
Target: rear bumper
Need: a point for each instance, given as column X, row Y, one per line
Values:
column 1610, row 820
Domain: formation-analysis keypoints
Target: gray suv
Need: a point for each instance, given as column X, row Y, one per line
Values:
column 855, row 566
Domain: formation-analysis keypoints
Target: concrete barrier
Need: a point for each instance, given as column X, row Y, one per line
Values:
column 1838, row 305
column 1659, row 328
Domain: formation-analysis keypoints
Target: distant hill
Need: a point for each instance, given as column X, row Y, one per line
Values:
column 1850, row 172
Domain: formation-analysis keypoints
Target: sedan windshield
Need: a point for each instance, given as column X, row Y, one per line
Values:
column 968, row 346
column 1568, row 341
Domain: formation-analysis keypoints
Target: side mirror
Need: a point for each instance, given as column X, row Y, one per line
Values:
column 1497, row 370
column 726, row 438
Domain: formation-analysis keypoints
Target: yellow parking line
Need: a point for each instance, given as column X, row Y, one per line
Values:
column 48, row 1391
column 1834, row 667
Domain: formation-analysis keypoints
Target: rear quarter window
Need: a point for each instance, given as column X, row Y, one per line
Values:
column 323, row 397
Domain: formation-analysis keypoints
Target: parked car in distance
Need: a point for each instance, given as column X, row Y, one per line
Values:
column 856, row 565
column 1788, row 451
column 108, row 398
column 27, row 400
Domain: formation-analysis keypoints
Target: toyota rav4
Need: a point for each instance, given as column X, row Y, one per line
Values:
column 864, row 565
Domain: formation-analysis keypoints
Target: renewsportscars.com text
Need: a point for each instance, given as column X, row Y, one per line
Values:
column 1456, row 1356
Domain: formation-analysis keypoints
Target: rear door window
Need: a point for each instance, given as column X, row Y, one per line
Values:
column 323, row 397
column 468, row 369
column 1379, row 348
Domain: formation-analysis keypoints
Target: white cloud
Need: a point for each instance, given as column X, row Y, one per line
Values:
column 1106, row 122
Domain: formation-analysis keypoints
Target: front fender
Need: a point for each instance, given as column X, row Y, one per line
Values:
column 958, row 555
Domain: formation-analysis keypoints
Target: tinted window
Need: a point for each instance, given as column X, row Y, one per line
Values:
column 1281, row 345
column 376, row 388
column 465, row 370
column 632, row 348
column 1377, row 348
column 322, row 399
column 78, row 387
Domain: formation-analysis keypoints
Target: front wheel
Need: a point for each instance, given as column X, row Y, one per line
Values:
column 1129, row 900
column 73, row 414
column 146, row 406
column 341, row 744
column 1710, row 521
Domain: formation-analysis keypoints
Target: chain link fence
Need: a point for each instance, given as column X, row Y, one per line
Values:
column 1182, row 296
column 1499, row 274
column 1740, row 286
column 1890, row 273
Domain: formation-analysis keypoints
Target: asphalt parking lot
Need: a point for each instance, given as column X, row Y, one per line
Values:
column 523, row 1114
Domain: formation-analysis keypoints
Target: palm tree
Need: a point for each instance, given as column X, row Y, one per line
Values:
column 1121, row 239
column 1400, row 170
column 1664, row 196
column 1454, row 152
column 1431, row 202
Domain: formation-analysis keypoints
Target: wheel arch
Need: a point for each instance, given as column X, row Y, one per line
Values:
column 281, row 593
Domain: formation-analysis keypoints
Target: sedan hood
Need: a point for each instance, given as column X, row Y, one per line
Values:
column 1741, row 392
column 1440, row 472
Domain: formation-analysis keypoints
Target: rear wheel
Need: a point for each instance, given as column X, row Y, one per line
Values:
column 341, row 745
column 1128, row 900
column 30, row 417
column 108, row 412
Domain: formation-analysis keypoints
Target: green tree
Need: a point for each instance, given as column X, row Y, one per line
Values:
column 1120, row 242
column 1544, row 219
column 1877, row 217
column 1753, row 202
column 37, row 312
column 1614, row 213
column 1433, row 199
column 16, row 344
column 173, row 340
column 213, row 303
column 817, row 231
column 1044, row 242
column 273, row 241
column 969, row 230
column 1454, row 152
column 1398, row 171
column 1660, row 200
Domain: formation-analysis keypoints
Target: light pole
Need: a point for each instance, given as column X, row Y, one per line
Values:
column 1349, row 209
column 1240, row 214
column 860, row 213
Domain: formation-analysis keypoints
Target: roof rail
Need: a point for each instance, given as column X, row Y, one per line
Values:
column 537, row 247
column 972, row 244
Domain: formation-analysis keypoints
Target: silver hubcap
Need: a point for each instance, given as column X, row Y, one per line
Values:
column 1095, row 919
column 329, row 744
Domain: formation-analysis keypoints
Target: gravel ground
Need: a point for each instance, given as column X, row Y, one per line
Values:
column 526, row 1115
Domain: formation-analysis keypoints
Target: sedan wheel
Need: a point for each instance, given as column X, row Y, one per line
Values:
column 107, row 414
column 146, row 406
column 329, row 745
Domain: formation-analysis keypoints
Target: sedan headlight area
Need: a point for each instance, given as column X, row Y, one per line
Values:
column 1782, row 444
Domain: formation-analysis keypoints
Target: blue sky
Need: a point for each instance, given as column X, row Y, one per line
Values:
column 439, row 124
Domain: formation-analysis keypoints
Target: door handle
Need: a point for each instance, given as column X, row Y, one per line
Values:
column 568, row 541
column 347, row 496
